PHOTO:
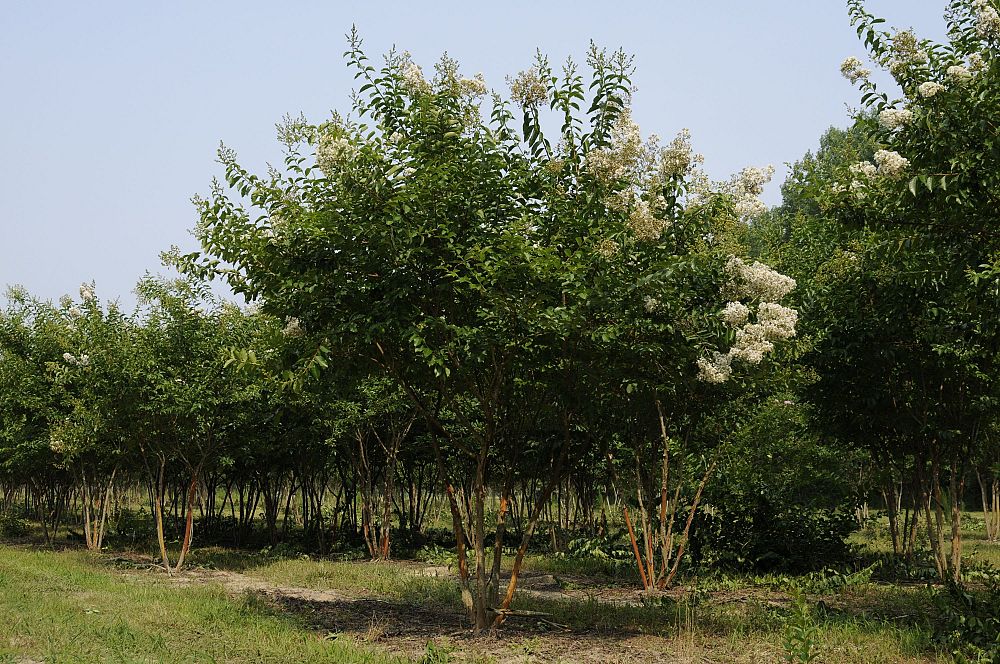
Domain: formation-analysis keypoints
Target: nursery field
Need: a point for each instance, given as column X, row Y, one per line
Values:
column 234, row 606
column 500, row 376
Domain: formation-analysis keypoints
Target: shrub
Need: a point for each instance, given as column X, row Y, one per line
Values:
column 763, row 537
column 12, row 525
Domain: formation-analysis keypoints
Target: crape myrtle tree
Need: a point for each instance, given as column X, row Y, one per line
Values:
column 783, row 515
column 98, row 390
column 908, row 357
column 502, row 279
column 190, row 406
column 32, row 338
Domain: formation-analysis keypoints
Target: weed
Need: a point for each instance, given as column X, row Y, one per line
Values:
column 800, row 631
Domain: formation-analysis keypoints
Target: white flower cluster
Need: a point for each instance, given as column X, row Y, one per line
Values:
column 333, row 152
column 746, row 188
column 774, row 322
column 906, row 52
column 735, row 313
column 756, row 281
column 607, row 248
column 863, row 173
column 528, row 89
column 928, row 89
column 777, row 321
column 987, row 20
column 293, row 328
column 959, row 75
column 82, row 361
column 854, row 70
column 473, row 87
column 888, row 164
column 976, row 63
column 717, row 368
column 864, row 169
column 87, row 292
column 891, row 164
column 893, row 118
column 75, row 312
column 622, row 156
column 413, row 75
column 677, row 158
column 643, row 223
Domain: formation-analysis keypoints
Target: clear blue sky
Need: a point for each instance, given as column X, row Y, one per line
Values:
column 112, row 110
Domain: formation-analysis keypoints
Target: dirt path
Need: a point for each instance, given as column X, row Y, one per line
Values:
column 405, row 629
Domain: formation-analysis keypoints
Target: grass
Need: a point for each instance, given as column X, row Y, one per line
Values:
column 68, row 607
column 72, row 606
column 868, row 622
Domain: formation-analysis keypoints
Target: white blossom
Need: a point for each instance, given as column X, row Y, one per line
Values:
column 715, row 369
column 928, row 89
column 987, row 20
column 906, row 52
column 643, row 223
column 959, row 75
column 621, row 158
column 293, row 328
column 69, row 358
column 751, row 344
column 893, row 118
column 607, row 248
column 650, row 303
column 413, row 75
column 735, row 313
column 473, row 87
column 333, row 152
column 864, row 168
column 778, row 322
column 86, row 292
column 84, row 361
column 746, row 188
column 756, row 281
column 976, row 63
column 754, row 340
column 891, row 164
column 854, row 70
column 528, row 89
column 75, row 312
column 859, row 189
column 677, row 158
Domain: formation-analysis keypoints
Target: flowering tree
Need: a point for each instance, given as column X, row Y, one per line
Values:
column 190, row 406
column 490, row 271
column 98, row 389
column 909, row 355
column 32, row 338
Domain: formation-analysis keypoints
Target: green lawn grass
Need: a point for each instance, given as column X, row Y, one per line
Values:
column 74, row 606
column 67, row 607
column 869, row 622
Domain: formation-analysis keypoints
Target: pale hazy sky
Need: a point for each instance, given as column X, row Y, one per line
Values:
column 112, row 110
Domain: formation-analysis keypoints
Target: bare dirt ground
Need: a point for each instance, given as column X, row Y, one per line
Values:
column 405, row 629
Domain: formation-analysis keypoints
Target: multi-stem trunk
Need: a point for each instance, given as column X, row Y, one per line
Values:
column 158, row 513
column 96, row 505
column 192, row 494
column 990, row 491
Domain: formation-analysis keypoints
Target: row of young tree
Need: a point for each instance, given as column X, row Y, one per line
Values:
column 513, row 306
